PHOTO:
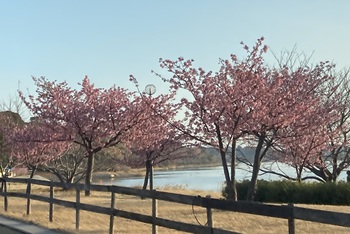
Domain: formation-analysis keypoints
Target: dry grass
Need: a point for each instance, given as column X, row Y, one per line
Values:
column 64, row 218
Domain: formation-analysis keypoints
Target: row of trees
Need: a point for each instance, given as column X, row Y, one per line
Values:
column 91, row 118
column 294, row 113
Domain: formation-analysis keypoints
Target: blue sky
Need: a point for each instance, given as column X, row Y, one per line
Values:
column 109, row 39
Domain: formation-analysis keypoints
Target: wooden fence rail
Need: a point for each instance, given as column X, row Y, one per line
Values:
column 289, row 212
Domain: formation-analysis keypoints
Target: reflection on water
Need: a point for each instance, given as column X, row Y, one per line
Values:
column 205, row 178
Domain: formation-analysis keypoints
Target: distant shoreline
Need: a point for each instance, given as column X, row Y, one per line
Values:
column 140, row 172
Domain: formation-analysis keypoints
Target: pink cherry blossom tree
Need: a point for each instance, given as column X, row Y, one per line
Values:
column 94, row 118
column 32, row 145
column 337, row 157
column 304, row 143
column 8, row 120
column 245, row 100
column 154, row 140
column 218, row 105
column 285, row 97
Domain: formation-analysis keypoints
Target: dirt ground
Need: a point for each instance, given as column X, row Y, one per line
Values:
column 64, row 218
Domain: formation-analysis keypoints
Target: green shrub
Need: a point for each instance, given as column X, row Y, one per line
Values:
column 293, row 192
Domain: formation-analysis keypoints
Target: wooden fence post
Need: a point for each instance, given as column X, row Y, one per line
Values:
column 209, row 215
column 111, row 219
column 29, row 188
column 77, row 209
column 51, row 202
column 154, row 212
column 291, row 223
column 5, row 196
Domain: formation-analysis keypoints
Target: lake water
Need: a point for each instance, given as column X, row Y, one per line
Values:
column 204, row 178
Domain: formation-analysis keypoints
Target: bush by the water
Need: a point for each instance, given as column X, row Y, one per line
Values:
column 294, row 192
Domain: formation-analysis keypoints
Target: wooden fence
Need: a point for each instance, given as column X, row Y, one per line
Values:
column 288, row 212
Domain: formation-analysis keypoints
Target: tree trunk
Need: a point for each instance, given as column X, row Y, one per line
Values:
column 256, row 167
column 228, row 181
column 224, row 164
column 60, row 177
column 147, row 175
column 151, row 177
column 89, row 170
column 33, row 172
column 298, row 170
column 30, row 177
column 323, row 173
column 233, row 171
column 70, row 180
column 334, row 169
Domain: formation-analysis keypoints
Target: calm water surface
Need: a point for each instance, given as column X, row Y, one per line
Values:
column 204, row 178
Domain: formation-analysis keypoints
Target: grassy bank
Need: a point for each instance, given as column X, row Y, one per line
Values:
column 64, row 218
